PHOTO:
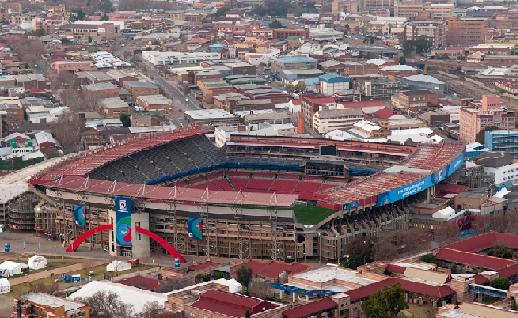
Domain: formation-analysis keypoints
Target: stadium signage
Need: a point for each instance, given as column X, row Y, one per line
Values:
column 123, row 210
column 455, row 164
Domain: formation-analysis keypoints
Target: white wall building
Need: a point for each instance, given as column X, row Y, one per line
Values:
column 177, row 58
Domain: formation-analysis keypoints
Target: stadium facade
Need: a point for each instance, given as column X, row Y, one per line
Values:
column 258, row 197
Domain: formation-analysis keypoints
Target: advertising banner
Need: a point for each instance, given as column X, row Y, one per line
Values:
column 79, row 211
column 123, row 210
column 405, row 191
column 195, row 227
column 455, row 165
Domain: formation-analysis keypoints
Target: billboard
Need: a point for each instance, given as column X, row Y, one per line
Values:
column 351, row 205
column 79, row 211
column 440, row 175
column 123, row 209
column 195, row 227
column 405, row 191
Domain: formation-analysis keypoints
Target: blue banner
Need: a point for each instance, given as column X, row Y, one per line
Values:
column 440, row 175
column 123, row 210
column 405, row 191
column 195, row 227
column 79, row 215
column 455, row 164
column 352, row 205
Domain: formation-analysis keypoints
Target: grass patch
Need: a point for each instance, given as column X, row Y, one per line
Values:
column 311, row 215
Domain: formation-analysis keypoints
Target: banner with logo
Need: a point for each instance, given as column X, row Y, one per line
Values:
column 79, row 211
column 123, row 209
column 195, row 227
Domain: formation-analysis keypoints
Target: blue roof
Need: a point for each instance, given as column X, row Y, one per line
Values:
column 334, row 78
column 288, row 59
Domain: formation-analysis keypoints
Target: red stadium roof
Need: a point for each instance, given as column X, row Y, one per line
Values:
column 71, row 173
column 233, row 305
column 86, row 162
column 310, row 309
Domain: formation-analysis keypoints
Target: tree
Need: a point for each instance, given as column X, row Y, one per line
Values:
column 67, row 132
column 77, row 15
column 386, row 303
column 244, row 276
column 500, row 251
column 276, row 24
column 360, row 250
column 500, row 283
column 106, row 6
column 429, row 258
column 126, row 120
column 107, row 305
column 247, row 314
column 155, row 310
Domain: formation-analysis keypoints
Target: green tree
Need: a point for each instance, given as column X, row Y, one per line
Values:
column 247, row 314
column 360, row 251
column 244, row 276
column 77, row 15
column 386, row 303
column 500, row 283
column 106, row 6
column 429, row 258
column 500, row 251
column 126, row 120
column 276, row 24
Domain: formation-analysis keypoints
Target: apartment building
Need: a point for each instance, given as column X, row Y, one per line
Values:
column 325, row 121
column 490, row 113
column 415, row 99
column 433, row 31
column 466, row 31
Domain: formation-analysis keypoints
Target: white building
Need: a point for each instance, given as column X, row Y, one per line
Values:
column 327, row 120
column 504, row 175
column 177, row 58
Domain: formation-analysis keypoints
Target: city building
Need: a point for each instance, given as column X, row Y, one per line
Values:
column 502, row 140
column 327, row 120
column 155, row 103
column 415, row 99
column 334, row 84
column 490, row 113
column 466, row 31
column 291, row 62
column 45, row 305
column 421, row 81
column 433, row 31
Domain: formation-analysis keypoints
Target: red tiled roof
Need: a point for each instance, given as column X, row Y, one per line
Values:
column 233, row 305
column 393, row 268
column 202, row 266
column 478, row 260
column 409, row 286
column 383, row 113
column 141, row 282
column 363, row 103
column 274, row 269
column 481, row 279
column 310, row 309
column 447, row 188
column 320, row 100
column 484, row 241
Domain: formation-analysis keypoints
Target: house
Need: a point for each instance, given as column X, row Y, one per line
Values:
column 45, row 305
column 141, row 88
column 155, row 103
column 222, row 304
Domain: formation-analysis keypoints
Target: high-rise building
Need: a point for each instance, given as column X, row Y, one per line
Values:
column 466, row 31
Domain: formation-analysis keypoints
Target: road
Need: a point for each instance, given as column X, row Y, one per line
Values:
column 169, row 90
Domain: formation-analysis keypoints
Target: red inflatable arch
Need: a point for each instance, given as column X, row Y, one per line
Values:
column 106, row 227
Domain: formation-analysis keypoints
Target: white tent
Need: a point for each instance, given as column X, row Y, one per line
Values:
column 5, row 286
column 118, row 266
column 9, row 268
column 37, row 262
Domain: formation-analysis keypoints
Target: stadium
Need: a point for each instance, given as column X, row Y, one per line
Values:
column 257, row 197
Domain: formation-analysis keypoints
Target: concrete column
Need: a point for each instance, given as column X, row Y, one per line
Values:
column 140, row 247
column 112, row 248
